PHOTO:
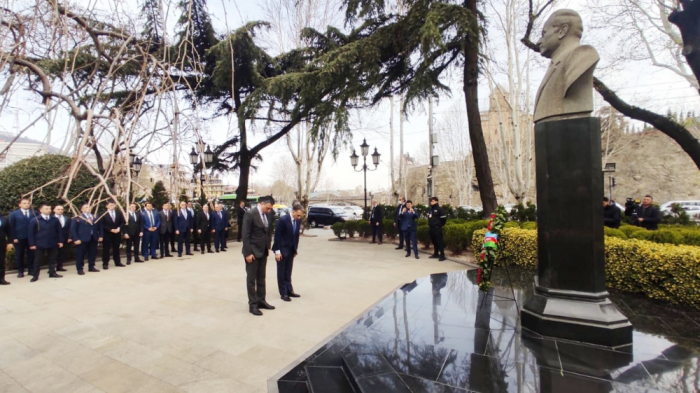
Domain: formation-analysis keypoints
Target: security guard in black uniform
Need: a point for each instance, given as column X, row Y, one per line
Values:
column 436, row 220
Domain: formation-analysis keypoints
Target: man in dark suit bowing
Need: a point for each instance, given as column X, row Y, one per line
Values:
column 204, row 229
column 285, row 248
column 133, row 232
column 86, row 233
column 376, row 217
column 182, row 222
column 112, row 222
column 4, row 240
column 257, row 228
column 45, row 238
column 65, row 232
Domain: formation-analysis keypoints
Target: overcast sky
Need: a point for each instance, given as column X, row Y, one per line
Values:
column 636, row 82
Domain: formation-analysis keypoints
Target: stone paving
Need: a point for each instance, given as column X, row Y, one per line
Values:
column 182, row 325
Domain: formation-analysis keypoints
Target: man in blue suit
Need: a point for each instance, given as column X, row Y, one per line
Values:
column 86, row 232
column 409, row 228
column 183, row 228
column 285, row 248
column 151, row 223
column 19, row 230
column 219, row 225
column 45, row 238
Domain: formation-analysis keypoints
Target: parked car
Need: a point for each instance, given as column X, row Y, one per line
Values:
column 354, row 211
column 689, row 206
column 467, row 208
column 327, row 215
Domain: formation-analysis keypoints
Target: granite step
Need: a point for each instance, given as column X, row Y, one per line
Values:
column 328, row 380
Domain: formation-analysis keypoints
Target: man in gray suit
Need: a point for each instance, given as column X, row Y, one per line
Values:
column 257, row 231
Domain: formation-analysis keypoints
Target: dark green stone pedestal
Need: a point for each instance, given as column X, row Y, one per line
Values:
column 571, row 301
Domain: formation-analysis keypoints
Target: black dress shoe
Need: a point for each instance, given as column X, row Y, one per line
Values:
column 372, row 242
column 188, row 253
column 223, row 250
column 210, row 252
column 217, row 251
column 417, row 256
column 399, row 248
column 143, row 260
column 255, row 311
column 204, row 251
column 81, row 273
column 138, row 260
column 293, row 294
column 433, row 256
column 34, row 279
column 170, row 256
column 408, row 255
column 60, row 269
column 286, row 298
column 3, row 282
column 20, row 274
column 153, row 257
column 179, row 255
column 92, row 269
column 55, row 275
column 265, row 306
column 442, row 259
column 120, row 265
column 105, row 267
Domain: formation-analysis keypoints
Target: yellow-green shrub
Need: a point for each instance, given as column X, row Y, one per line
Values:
column 661, row 271
column 612, row 232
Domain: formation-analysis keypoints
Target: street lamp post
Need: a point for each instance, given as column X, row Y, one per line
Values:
column 610, row 168
column 206, row 159
column 375, row 160
column 135, row 165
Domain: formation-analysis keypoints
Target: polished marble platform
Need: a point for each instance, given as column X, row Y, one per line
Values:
column 440, row 334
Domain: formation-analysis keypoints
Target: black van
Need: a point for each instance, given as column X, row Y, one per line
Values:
column 327, row 215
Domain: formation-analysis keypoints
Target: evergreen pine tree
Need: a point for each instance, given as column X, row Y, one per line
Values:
column 159, row 195
column 196, row 34
column 153, row 29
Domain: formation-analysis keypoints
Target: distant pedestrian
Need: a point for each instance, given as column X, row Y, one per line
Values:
column 193, row 226
column 397, row 221
column 647, row 215
column 239, row 220
column 611, row 214
column 409, row 228
column 376, row 216
column 436, row 220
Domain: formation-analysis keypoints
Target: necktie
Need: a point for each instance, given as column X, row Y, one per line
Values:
column 220, row 215
column 166, row 215
column 294, row 226
column 111, row 213
column 207, row 216
column 150, row 217
column 264, row 217
column 133, row 217
column 26, row 213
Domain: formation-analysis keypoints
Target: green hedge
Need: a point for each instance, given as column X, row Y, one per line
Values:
column 390, row 230
column 660, row 271
column 423, row 235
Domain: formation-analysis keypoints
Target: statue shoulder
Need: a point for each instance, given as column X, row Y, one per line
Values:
column 584, row 54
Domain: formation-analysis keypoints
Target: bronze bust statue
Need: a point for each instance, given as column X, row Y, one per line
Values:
column 567, row 88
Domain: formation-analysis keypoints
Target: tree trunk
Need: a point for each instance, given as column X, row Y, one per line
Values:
column 476, row 132
column 244, row 173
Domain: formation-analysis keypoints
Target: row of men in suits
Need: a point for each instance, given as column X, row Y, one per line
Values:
column 257, row 241
column 139, row 229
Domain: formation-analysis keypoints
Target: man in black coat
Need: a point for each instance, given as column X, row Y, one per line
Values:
column 86, row 233
column 647, row 215
column 397, row 221
column 611, row 214
column 285, row 248
column 204, row 228
column 4, row 240
column 376, row 216
column 112, row 222
column 166, row 231
column 193, row 225
column 257, row 231
column 65, row 232
column 45, row 238
column 241, row 212
column 133, row 232
column 436, row 220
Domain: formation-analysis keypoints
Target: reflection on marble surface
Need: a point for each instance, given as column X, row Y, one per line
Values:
column 441, row 334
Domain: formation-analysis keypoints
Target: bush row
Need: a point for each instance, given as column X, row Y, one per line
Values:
column 669, row 234
column 660, row 271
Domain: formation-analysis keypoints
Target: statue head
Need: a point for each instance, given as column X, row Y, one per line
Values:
column 563, row 29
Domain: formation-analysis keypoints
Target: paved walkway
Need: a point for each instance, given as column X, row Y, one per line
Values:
column 182, row 325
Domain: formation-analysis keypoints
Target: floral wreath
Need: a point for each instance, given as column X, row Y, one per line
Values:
column 490, row 247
